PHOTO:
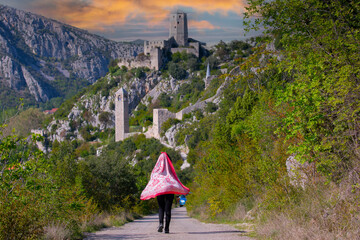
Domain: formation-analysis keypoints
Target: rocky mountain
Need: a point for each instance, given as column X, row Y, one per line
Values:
column 41, row 58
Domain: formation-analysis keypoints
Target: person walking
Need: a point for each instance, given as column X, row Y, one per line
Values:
column 163, row 184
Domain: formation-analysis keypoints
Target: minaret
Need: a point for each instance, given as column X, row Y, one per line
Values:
column 179, row 28
column 208, row 71
column 121, row 115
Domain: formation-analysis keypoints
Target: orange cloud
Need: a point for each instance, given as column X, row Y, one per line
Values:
column 202, row 25
column 97, row 14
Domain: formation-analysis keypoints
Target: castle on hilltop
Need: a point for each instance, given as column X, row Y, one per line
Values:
column 156, row 51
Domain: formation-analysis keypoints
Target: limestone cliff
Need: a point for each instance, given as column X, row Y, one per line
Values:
column 87, row 110
column 35, row 52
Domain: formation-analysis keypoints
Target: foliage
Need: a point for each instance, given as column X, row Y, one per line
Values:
column 113, row 179
column 105, row 118
column 321, row 51
column 32, row 196
column 165, row 100
column 210, row 107
column 212, row 61
column 113, row 66
column 299, row 98
column 142, row 116
column 5, row 115
column 168, row 124
column 176, row 71
column 23, row 123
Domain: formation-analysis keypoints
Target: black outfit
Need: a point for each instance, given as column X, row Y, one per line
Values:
column 165, row 202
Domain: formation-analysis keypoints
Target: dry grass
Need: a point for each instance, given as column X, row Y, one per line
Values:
column 321, row 212
column 95, row 222
column 201, row 213
column 103, row 220
column 56, row 231
column 239, row 213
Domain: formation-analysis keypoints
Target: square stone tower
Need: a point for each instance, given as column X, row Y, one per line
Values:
column 179, row 28
column 121, row 115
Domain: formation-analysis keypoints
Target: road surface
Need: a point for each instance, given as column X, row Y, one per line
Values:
column 181, row 227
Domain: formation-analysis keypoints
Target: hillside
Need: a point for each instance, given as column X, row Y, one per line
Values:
column 41, row 58
column 273, row 145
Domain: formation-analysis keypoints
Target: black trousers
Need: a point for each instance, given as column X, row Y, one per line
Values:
column 165, row 202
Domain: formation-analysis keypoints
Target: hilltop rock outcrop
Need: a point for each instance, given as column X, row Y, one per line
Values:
column 88, row 109
column 35, row 51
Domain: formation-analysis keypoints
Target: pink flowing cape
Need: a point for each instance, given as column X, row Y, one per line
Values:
column 163, row 180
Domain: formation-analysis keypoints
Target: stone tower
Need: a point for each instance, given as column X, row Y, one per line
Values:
column 121, row 115
column 179, row 28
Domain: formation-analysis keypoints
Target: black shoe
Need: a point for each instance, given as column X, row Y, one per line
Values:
column 160, row 228
column 167, row 231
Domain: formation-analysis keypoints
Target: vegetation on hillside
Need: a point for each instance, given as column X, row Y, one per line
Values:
column 61, row 194
column 296, row 95
column 83, row 185
column 302, row 100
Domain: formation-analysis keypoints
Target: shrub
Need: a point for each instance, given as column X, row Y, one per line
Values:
column 165, row 100
column 176, row 71
column 210, row 107
column 105, row 118
column 168, row 124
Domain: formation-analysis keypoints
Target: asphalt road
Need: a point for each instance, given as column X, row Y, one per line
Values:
column 181, row 227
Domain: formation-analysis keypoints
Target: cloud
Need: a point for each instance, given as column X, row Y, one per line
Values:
column 98, row 14
column 202, row 25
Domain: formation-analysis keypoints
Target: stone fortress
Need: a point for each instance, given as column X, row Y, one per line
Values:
column 159, row 116
column 156, row 51
column 154, row 56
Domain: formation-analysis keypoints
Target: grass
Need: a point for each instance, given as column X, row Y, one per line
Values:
column 60, row 231
column 321, row 212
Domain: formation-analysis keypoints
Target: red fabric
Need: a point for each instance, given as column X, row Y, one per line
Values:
column 163, row 180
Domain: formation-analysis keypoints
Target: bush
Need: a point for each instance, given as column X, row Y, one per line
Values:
column 105, row 118
column 139, row 73
column 23, row 123
column 176, row 71
column 165, row 100
column 193, row 64
column 210, row 107
column 168, row 124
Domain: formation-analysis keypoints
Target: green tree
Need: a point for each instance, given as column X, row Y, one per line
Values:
column 176, row 71
column 165, row 100
column 105, row 118
column 23, row 123
column 176, row 57
column 321, row 52
column 193, row 64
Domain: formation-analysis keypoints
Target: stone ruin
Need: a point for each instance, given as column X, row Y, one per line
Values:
column 155, row 51
column 159, row 116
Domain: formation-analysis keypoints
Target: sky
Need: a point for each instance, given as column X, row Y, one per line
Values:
column 125, row 20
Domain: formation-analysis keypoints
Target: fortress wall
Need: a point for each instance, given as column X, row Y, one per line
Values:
column 149, row 45
column 156, row 58
column 196, row 46
column 188, row 50
column 159, row 117
column 198, row 105
column 135, row 64
column 179, row 115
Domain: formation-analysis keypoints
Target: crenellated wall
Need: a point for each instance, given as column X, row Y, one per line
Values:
column 154, row 61
column 149, row 45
